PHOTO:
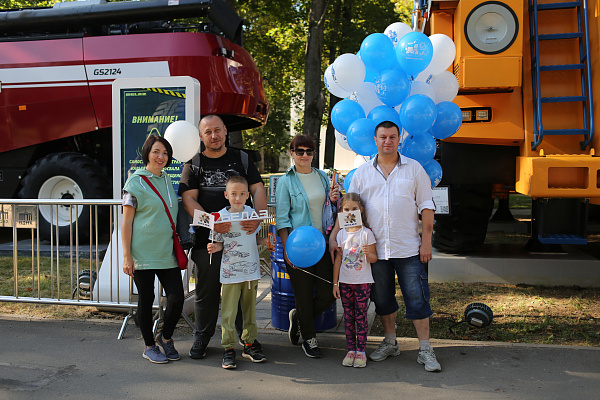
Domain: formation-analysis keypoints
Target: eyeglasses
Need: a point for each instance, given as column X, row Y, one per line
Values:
column 301, row 152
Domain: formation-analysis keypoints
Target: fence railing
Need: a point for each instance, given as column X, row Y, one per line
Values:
column 80, row 262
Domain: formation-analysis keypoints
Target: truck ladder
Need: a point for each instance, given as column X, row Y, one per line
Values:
column 583, row 66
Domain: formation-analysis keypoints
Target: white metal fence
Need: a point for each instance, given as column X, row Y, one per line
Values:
column 75, row 266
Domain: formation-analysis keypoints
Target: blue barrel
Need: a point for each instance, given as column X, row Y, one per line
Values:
column 282, row 294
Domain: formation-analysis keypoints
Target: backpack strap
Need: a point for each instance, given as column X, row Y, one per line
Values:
column 197, row 167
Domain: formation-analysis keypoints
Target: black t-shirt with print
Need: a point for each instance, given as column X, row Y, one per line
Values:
column 211, row 181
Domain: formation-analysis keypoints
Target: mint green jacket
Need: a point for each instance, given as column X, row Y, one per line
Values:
column 152, row 236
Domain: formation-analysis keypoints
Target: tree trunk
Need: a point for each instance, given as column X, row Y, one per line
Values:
column 314, row 100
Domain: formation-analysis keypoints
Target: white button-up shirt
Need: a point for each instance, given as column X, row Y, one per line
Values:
column 392, row 205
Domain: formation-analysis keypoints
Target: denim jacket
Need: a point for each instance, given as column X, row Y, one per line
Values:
column 293, row 209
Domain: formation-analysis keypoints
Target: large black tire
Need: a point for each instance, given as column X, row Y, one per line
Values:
column 65, row 176
column 464, row 230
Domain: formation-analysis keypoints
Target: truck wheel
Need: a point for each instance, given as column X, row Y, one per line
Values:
column 464, row 230
column 64, row 176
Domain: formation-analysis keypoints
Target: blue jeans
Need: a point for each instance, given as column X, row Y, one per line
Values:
column 413, row 284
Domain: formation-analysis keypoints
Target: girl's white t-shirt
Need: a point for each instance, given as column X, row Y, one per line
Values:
column 355, row 268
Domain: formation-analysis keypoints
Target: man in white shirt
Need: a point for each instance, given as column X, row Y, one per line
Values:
column 395, row 189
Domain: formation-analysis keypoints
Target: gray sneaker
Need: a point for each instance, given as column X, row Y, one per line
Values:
column 384, row 351
column 427, row 358
column 154, row 355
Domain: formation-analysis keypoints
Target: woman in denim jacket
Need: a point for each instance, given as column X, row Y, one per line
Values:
column 304, row 198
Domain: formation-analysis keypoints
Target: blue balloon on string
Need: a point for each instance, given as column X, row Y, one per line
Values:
column 344, row 113
column 434, row 170
column 305, row 246
column 447, row 121
column 392, row 87
column 417, row 114
column 348, row 179
column 384, row 113
column 361, row 137
column 377, row 52
column 414, row 52
column 420, row 147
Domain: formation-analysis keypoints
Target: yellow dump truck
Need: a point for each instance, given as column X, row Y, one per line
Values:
column 528, row 72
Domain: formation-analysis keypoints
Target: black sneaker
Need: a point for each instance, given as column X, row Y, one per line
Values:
column 294, row 331
column 198, row 350
column 255, row 343
column 311, row 348
column 253, row 354
column 229, row 359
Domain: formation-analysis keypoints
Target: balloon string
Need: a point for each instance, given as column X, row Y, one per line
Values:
column 316, row 276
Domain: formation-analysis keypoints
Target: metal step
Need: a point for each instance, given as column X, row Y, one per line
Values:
column 562, row 67
column 563, row 99
column 566, row 132
column 562, row 239
column 559, row 6
column 558, row 36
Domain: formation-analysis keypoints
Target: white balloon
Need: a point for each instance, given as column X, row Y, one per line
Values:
column 418, row 87
column 341, row 139
column 444, row 51
column 360, row 160
column 184, row 138
column 333, row 87
column 445, row 86
column 396, row 30
column 348, row 71
column 366, row 96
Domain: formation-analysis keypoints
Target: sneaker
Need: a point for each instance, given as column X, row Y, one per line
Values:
column 255, row 343
column 154, row 355
column 349, row 359
column 360, row 361
column 253, row 353
column 294, row 331
column 229, row 359
column 385, row 350
column 311, row 348
column 427, row 358
column 168, row 347
column 198, row 349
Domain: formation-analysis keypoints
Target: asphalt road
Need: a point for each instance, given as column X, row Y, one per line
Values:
column 64, row 359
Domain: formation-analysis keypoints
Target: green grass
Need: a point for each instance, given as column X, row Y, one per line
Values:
column 522, row 314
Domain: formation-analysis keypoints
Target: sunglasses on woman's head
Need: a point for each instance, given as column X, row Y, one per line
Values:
column 300, row 152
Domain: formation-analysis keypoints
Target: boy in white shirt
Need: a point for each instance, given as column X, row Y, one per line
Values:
column 240, row 272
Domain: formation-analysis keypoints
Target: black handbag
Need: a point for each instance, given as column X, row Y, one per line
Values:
column 187, row 236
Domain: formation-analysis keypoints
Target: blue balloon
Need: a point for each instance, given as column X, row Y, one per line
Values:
column 361, row 137
column 434, row 170
column 447, row 121
column 417, row 114
column 420, row 147
column 348, row 179
column 305, row 246
column 392, row 87
column 384, row 113
column 377, row 52
column 371, row 75
column 344, row 113
column 414, row 52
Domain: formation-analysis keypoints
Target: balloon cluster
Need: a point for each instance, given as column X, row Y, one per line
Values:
column 399, row 76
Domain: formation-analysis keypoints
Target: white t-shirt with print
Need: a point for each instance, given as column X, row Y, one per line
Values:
column 355, row 268
column 240, row 262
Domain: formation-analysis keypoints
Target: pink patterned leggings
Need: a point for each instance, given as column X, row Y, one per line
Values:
column 355, row 299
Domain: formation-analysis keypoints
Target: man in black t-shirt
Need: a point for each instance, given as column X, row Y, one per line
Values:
column 205, row 191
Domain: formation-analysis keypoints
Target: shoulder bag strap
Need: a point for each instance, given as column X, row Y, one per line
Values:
column 145, row 178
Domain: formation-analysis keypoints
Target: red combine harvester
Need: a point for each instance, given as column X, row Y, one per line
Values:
column 56, row 69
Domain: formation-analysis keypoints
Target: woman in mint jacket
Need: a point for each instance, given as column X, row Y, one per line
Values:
column 304, row 198
column 147, row 240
